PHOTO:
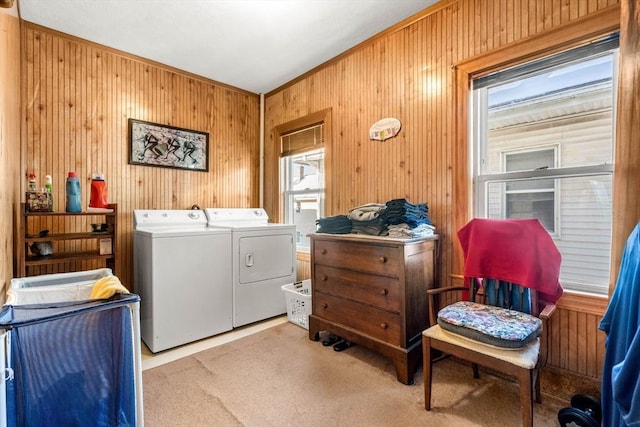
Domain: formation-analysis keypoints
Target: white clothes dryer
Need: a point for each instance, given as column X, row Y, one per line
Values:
column 182, row 272
column 264, row 259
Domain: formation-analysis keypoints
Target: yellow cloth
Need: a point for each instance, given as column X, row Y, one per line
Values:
column 107, row 287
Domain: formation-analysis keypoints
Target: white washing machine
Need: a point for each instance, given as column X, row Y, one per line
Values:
column 182, row 272
column 264, row 259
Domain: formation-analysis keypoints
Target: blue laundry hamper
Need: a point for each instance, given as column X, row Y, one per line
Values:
column 68, row 360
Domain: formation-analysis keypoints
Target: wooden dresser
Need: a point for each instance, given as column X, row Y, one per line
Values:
column 371, row 290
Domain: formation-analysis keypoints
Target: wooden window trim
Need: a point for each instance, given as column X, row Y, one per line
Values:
column 591, row 304
column 571, row 301
column 300, row 123
column 573, row 34
column 319, row 117
column 579, row 32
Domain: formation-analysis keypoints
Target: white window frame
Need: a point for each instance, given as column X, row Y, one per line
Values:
column 554, row 189
column 289, row 194
column 478, row 136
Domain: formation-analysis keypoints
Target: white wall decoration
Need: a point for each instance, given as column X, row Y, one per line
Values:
column 384, row 129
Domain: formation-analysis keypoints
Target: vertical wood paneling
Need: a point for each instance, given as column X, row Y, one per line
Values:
column 576, row 344
column 408, row 74
column 303, row 266
column 9, row 140
column 627, row 150
column 78, row 97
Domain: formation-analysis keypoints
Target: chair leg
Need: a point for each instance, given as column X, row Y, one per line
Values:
column 536, row 387
column 427, row 363
column 474, row 366
column 525, row 378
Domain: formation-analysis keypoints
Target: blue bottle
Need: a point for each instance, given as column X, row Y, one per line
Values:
column 74, row 204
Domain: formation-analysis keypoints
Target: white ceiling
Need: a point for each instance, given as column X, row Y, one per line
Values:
column 255, row 45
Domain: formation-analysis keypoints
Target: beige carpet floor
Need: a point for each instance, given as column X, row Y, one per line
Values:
column 278, row 377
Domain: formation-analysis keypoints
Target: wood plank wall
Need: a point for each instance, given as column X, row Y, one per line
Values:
column 9, row 139
column 627, row 155
column 77, row 97
column 407, row 73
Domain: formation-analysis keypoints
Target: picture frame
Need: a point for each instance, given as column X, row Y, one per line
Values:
column 154, row 144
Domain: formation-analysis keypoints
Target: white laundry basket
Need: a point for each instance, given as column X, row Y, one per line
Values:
column 57, row 287
column 54, row 300
column 298, row 297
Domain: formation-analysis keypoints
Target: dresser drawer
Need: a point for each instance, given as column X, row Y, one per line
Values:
column 380, row 291
column 369, row 258
column 371, row 321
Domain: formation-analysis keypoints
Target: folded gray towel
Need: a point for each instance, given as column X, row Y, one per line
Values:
column 366, row 212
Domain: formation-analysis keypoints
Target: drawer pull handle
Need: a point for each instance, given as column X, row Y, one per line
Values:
column 325, row 305
column 384, row 292
column 382, row 259
column 323, row 251
column 324, row 277
column 384, row 325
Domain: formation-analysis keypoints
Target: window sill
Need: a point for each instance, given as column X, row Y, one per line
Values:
column 582, row 302
column 570, row 300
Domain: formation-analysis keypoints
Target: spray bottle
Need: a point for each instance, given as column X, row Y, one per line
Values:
column 33, row 185
column 48, row 185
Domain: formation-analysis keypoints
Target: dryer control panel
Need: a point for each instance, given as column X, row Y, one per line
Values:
column 227, row 216
column 167, row 218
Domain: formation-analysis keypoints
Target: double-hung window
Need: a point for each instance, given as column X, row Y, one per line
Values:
column 543, row 136
column 302, row 175
column 534, row 198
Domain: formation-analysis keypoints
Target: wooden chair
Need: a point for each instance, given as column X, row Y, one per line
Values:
column 462, row 335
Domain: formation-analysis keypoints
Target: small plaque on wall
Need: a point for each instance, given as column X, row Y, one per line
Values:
column 105, row 247
column 384, row 129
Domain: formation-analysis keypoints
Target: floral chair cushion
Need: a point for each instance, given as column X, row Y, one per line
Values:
column 491, row 325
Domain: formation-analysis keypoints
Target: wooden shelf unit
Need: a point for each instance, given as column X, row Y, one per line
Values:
column 68, row 229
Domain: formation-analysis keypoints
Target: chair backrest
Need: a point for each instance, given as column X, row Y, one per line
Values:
column 503, row 294
column 520, row 251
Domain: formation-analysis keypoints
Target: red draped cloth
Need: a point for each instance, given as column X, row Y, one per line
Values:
column 514, row 250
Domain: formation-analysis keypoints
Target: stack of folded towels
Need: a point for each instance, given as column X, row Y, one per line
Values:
column 402, row 211
column 396, row 218
column 369, row 219
column 338, row 224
